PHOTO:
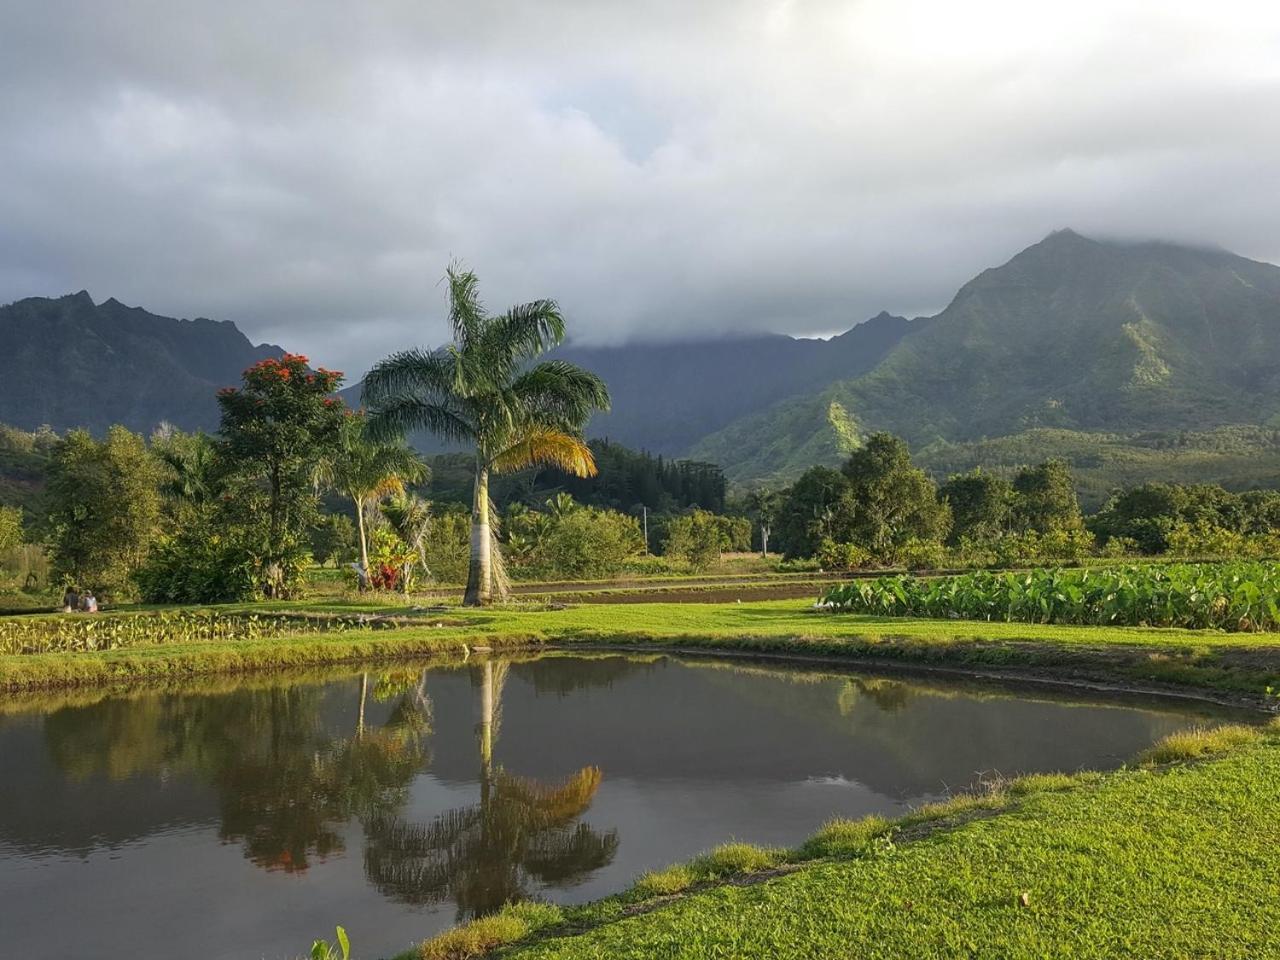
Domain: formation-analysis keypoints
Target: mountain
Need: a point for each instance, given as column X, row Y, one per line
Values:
column 68, row 362
column 668, row 396
column 1073, row 334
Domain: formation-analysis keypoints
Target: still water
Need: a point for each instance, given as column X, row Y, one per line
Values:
column 243, row 818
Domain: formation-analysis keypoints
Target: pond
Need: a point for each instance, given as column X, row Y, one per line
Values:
column 243, row 818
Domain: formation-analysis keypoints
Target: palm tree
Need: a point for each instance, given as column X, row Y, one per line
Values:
column 484, row 390
column 366, row 469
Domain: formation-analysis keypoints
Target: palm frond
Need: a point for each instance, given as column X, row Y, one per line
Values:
column 467, row 316
column 559, row 392
column 428, row 374
column 528, row 329
column 546, row 446
column 397, row 415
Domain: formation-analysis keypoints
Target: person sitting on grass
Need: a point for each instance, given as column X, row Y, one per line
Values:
column 70, row 600
column 89, row 603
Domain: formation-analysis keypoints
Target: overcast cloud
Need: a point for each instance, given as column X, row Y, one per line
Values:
column 665, row 168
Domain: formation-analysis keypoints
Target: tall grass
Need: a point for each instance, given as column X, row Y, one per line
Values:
column 1225, row 596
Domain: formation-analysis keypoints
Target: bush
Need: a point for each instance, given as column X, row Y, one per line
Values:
column 698, row 538
column 842, row 556
column 922, row 555
column 197, row 568
column 1205, row 539
column 589, row 543
column 448, row 546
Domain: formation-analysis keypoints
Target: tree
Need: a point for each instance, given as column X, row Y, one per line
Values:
column 1045, row 498
column 981, row 506
column 894, row 500
column 484, row 389
column 104, row 507
column 193, row 480
column 365, row 470
column 819, row 506
column 698, row 537
column 276, row 432
column 763, row 507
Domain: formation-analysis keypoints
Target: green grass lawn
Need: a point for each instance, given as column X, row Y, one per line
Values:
column 1176, row 862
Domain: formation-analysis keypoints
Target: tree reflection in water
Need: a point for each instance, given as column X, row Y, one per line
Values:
column 487, row 855
column 285, row 785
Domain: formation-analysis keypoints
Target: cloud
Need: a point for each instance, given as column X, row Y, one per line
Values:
column 307, row 169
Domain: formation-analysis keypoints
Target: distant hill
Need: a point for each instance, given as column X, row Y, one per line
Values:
column 1072, row 334
column 68, row 362
column 668, row 396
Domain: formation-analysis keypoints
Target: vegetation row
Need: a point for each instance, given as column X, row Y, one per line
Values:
column 1243, row 596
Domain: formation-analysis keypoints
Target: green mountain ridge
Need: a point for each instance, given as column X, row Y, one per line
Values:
column 67, row 362
column 1071, row 334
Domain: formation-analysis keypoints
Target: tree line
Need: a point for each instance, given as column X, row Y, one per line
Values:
column 881, row 509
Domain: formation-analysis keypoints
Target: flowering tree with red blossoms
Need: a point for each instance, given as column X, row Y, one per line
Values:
column 277, row 429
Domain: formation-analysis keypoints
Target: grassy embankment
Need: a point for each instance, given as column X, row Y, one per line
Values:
column 1170, row 861
column 1235, row 665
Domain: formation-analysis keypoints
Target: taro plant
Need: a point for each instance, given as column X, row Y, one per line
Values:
column 1226, row 596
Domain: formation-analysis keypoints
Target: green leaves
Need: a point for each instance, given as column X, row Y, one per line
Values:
column 1229, row 596
column 341, row 950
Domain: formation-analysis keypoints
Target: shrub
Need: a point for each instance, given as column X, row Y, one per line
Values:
column 1205, row 539
column 922, row 555
column 590, row 543
column 842, row 556
column 447, row 546
column 698, row 538
column 197, row 568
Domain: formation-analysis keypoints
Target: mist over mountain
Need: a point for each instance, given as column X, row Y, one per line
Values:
column 68, row 362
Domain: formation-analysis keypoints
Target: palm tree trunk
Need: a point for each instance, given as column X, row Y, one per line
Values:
column 486, row 731
column 364, row 542
column 480, row 571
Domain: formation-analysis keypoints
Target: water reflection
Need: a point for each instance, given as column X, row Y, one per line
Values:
column 483, row 856
column 396, row 801
column 284, row 782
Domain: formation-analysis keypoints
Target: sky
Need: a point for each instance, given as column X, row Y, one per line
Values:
column 663, row 168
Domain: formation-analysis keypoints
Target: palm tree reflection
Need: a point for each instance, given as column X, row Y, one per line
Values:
column 489, row 854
